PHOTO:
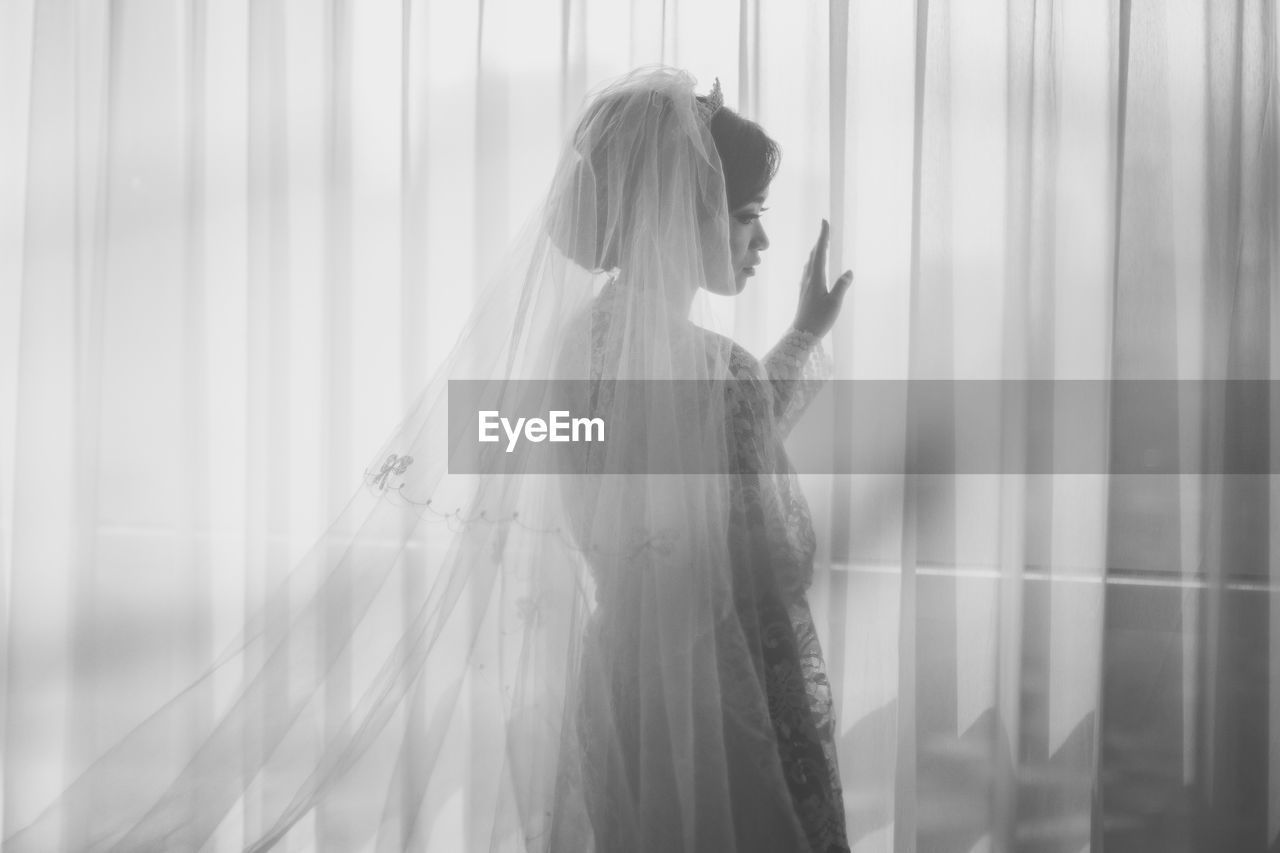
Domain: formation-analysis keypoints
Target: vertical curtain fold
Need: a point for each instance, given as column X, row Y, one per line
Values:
column 1237, row 727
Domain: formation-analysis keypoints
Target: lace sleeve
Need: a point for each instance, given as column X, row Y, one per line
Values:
column 796, row 368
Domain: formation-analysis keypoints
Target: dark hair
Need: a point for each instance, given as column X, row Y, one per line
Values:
column 749, row 157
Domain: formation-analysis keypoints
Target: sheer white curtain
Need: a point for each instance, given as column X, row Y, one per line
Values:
column 237, row 236
column 1064, row 191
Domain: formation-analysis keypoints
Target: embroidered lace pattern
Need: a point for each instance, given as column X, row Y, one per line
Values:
column 772, row 547
column 793, row 372
column 797, row 367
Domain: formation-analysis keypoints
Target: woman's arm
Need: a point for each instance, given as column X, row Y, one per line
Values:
column 797, row 367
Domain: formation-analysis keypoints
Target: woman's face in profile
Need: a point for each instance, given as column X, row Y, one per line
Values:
column 747, row 239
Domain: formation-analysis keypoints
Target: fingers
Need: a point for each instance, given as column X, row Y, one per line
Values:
column 815, row 269
column 806, row 278
column 842, row 284
column 820, row 254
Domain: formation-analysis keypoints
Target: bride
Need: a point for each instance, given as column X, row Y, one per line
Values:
column 757, row 760
column 603, row 647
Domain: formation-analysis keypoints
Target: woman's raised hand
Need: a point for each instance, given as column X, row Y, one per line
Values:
column 820, row 305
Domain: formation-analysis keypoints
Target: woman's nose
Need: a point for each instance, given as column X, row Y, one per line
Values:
column 760, row 241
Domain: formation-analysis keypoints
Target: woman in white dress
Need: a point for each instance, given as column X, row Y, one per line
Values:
column 768, row 737
column 613, row 653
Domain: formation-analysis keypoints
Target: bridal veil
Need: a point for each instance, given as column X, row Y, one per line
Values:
column 493, row 609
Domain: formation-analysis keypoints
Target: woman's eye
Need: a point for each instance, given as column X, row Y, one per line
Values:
column 748, row 218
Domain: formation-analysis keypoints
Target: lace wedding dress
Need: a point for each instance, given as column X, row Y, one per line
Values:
column 771, row 667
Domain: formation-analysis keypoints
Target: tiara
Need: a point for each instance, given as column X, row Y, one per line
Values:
column 711, row 103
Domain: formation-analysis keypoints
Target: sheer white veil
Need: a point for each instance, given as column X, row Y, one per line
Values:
column 560, row 646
